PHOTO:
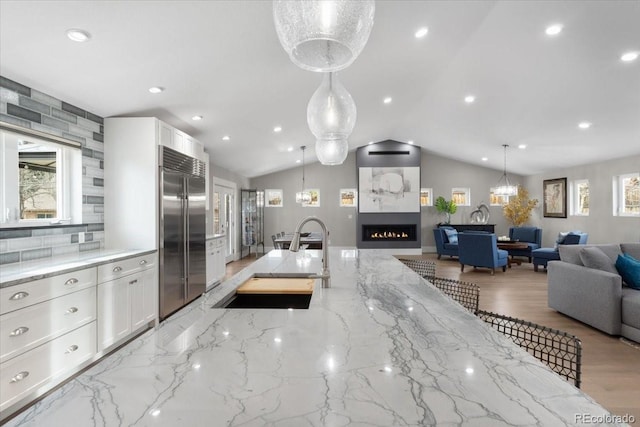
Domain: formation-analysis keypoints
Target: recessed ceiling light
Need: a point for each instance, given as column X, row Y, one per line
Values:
column 370, row 142
column 387, row 100
column 410, row 142
column 156, row 89
column 484, row 159
column 196, row 118
column 522, row 146
column 469, row 99
column 290, row 149
column 277, row 129
column 629, row 56
column 298, row 161
column 553, row 30
column 226, row 138
column 584, row 125
column 421, row 32
column 78, row 35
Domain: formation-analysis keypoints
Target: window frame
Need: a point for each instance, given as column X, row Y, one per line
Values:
column 574, row 197
column 68, row 189
column 619, row 196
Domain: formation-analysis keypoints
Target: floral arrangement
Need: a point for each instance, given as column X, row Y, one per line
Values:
column 518, row 210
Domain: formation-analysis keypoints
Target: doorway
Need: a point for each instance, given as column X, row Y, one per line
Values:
column 224, row 215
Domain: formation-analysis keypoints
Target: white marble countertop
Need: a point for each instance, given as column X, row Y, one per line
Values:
column 380, row 347
column 14, row 274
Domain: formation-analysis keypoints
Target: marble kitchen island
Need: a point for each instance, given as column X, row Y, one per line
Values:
column 380, row 347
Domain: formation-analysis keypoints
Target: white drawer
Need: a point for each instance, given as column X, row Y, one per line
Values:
column 125, row 267
column 29, row 293
column 22, row 330
column 26, row 373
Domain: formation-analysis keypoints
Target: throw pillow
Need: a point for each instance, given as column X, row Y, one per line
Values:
column 452, row 235
column 560, row 239
column 629, row 269
column 594, row 257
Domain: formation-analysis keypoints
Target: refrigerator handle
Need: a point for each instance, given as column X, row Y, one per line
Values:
column 185, row 234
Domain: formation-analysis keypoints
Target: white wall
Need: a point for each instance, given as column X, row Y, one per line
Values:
column 601, row 225
column 438, row 173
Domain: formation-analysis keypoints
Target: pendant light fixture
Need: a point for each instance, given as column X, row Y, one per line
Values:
column 331, row 116
column 323, row 35
column 504, row 187
column 303, row 196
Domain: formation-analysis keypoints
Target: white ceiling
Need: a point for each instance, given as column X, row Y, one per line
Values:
column 223, row 60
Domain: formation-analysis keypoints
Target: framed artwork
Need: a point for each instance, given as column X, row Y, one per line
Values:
column 273, row 198
column 461, row 195
column 497, row 199
column 555, row 198
column 389, row 189
column 315, row 198
column 348, row 198
column 426, row 197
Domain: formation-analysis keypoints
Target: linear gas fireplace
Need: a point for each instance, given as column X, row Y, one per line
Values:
column 396, row 232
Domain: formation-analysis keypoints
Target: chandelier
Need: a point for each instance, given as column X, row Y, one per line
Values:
column 323, row 35
column 504, row 187
column 331, row 116
column 303, row 196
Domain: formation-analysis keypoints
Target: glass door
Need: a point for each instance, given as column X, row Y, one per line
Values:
column 224, row 208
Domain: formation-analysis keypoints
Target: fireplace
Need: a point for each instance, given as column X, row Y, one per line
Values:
column 389, row 232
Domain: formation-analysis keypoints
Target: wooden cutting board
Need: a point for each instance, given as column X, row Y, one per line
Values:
column 276, row 285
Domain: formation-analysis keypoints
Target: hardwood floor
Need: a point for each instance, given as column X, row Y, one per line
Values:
column 610, row 367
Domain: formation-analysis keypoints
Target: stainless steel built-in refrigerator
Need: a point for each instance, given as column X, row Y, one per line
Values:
column 182, row 230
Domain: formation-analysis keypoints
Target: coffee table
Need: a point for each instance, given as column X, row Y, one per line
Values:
column 512, row 245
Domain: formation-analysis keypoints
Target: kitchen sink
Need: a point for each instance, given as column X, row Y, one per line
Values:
column 270, row 291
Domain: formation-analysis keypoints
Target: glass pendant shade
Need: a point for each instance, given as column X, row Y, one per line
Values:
column 331, row 116
column 323, row 35
column 504, row 187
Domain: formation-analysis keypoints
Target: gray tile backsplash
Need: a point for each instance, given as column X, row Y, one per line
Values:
column 30, row 108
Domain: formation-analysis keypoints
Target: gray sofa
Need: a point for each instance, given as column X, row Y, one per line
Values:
column 593, row 296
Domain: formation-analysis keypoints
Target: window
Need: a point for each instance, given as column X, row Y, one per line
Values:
column 36, row 183
column 579, row 197
column 626, row 195
column 461, row 196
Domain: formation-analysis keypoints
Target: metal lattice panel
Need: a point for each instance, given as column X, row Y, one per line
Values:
column 426, row 269
column 466, row 294
column 560, row 351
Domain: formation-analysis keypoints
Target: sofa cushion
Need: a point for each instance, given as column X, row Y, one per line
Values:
column 571, row 253
column 631, row 307
column 452, row 235
column 632, row 249
column 450, row 246
column 629, row 269
column 560, row 239
column 594, row 257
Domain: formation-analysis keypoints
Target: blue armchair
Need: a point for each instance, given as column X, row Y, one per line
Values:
column 530, row 235
column 443, row 246
column 481, row 250
column 542, row 256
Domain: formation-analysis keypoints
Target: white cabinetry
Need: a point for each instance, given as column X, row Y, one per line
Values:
column 216, row 267
column 47, row 330
column 133, row 176
column 127, row 298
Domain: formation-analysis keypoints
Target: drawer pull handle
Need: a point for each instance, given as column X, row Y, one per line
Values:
column 143, row 262
column 71, row 349
column 71, row 310
column 133, row 281
column 117, row 269
column 19, row 331
column 71, row 281
column 18, row 296
column 19, row 376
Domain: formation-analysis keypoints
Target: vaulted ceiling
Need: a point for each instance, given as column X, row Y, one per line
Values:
column 223, row 60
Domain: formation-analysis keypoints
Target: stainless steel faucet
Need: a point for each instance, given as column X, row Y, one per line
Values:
column 295, row 246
